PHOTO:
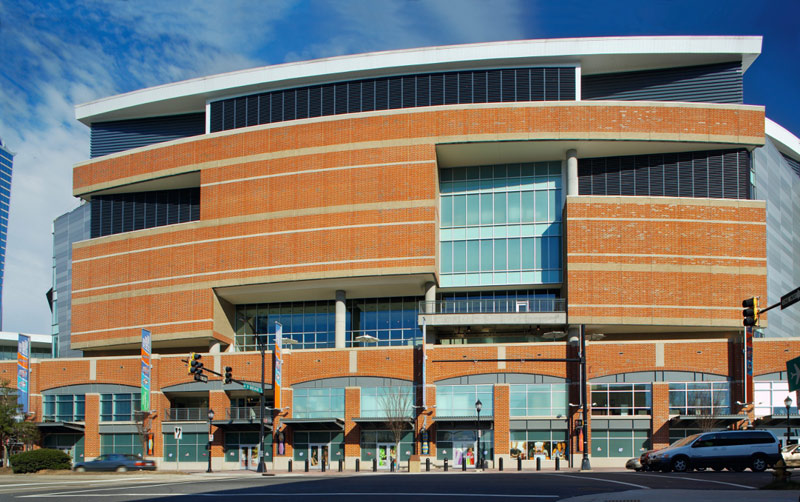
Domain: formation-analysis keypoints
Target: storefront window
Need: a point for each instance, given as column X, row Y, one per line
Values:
column 459, row 400
column 624, row 443
column 461, row 446
column 387, row 401
column 546, row 445
column 545, row 399
column 64, row 407
column 699, row 398
column 119, row 407
column 621, row 399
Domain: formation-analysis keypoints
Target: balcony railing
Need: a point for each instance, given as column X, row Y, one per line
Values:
column 534, row 305
column 187, row 415
column 245, row 413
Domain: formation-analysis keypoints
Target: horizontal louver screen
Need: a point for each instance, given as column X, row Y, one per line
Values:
column 715, row 174
column 717, row 83
column 124, row 212
column 121, row 135
column 794, row 164
column 492, row 86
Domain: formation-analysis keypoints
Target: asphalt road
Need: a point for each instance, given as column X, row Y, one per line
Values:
column 489, row 486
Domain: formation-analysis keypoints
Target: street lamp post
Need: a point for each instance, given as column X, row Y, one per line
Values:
column 479, row 457
column 788, row 403
column 585, row 465
column 262, row 467
column 210, row 418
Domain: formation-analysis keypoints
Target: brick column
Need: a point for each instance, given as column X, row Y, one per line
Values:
column 502, row 436
column 91, row 434
column 286, row 399
column 430, row 399
column 159, row 404
column 218, row 401
column 352, row 432
column 660, row 423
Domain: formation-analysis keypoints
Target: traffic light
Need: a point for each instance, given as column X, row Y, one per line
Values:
column 197, row 367
column 189, row 362
column 228, row 374
column 750, row 311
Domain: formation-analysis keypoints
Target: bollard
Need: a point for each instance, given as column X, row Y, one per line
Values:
column 306, row 465
column 519, row 463
column 409, row 465
column 290, row 465
column 445, row 465
column 428, row 464
column 322, row 465
column 558, row 464
column 358, row 465
column 341, row 465
column 391, row 465
column 501, row 464
column 463, row 464
column 538, row 463
column 374, row 465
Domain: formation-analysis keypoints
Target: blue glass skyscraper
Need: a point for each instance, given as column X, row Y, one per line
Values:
column 6, row 158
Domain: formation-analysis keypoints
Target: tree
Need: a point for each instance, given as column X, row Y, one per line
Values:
column 396, row 404
column 13, row 426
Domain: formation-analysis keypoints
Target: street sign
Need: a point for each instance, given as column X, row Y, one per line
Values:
column 790, row 298
column 211, row 438
column 254, row 388
column 793, row 373
column 178, row 433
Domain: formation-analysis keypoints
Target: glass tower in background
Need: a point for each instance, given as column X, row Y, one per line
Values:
column 6, row 159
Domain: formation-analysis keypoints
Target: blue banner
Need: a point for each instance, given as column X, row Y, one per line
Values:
column 23, row 370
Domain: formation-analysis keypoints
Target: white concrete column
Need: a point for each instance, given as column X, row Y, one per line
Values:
column 341, row 314
column 572, row 172
column 430, row 296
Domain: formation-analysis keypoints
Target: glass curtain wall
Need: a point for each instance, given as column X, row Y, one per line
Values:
column 459, row 400
column 543, row 400
column 621, row 399
column 501, row 224
column 699, row 398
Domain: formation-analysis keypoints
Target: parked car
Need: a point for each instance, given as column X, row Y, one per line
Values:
column 735, row 450
column 116, row 462
column 791, row 455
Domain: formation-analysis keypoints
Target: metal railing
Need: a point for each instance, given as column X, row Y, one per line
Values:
column 533, row 305
column 245, row 413
column 186, row 415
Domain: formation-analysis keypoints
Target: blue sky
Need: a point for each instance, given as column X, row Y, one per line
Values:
column 56, row 54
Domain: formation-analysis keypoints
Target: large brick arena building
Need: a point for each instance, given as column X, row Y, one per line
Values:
column 433, row 228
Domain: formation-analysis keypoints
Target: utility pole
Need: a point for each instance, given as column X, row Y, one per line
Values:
column 585, row 464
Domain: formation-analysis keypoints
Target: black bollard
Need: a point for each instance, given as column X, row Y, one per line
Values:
column 358, row 465
column 558, row 462
column 306, row 465
column 428, row 464
column 374, row 465
column 445, row 465
column 322, row 465
column 519, row 463
column 391, row 465
column 501, row 464
column 538, row 463
column 463, row 464
column 290, row 465
column 341, row 465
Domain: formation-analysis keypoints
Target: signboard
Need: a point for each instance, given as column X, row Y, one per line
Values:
column 23, row 370
column 254, row 388
column 425, row 443
column 790, row 298
column 146, row 352
column 748, row 364
column 793, row 373
column 278, row 364
column 178, row 433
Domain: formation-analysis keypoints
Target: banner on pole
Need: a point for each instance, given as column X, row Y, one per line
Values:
column 146, row 352
column 277, row 366
column 23, row 370
column 748, row 365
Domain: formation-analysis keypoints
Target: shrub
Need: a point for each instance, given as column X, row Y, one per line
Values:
column 36, row 460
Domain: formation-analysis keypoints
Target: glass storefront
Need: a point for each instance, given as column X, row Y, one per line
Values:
column 462, row 446
column 381, row 446
column 546, row 445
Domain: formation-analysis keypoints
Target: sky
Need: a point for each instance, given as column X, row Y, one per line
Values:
column 57, row 54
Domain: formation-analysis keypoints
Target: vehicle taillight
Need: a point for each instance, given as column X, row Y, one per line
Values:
column 140, row 464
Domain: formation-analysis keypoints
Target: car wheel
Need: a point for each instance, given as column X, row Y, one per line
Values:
column 758, row 464
column 680, row 464
column 80, row 469
column 122, row 468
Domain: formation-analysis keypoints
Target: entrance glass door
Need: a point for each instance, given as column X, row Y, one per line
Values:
column 248, row 457
column 386, row 453
column 317, row 453
column 464, row 451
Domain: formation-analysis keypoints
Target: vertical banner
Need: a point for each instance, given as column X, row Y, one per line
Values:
column 23, row 370
column 424, row 366
column 277, row 365
column 748, row 364
column 146, row 351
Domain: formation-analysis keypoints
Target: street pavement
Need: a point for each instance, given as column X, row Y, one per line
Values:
column 602, row 485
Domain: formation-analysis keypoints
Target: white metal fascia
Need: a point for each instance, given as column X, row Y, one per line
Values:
column 595, row 55
column 787, row 143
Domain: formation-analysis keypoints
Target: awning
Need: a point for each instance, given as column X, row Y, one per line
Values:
column 705, row 421
column 314, row 424
column 376, row 423
column 777, row 421
column 56, row 427
column 463, row 422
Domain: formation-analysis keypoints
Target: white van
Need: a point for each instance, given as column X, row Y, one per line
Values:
column 735, row 450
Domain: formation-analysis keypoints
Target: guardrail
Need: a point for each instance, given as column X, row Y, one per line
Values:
column 534, row 305
column 186, row 415
column 244, row 413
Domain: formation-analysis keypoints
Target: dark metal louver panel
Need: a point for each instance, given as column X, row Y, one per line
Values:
column 716, row 83
column 794, row 164
column 429, row 89
column 117, row 213
column 121, row 135
column 705, row 174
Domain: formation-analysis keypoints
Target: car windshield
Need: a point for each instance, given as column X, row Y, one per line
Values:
column 686, row 440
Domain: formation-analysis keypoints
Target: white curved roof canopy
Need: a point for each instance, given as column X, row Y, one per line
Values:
column 594, row 55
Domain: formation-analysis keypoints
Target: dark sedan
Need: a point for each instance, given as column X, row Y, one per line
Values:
column 116, row 462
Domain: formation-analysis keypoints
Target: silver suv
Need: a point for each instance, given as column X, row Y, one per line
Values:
column 735, row 450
